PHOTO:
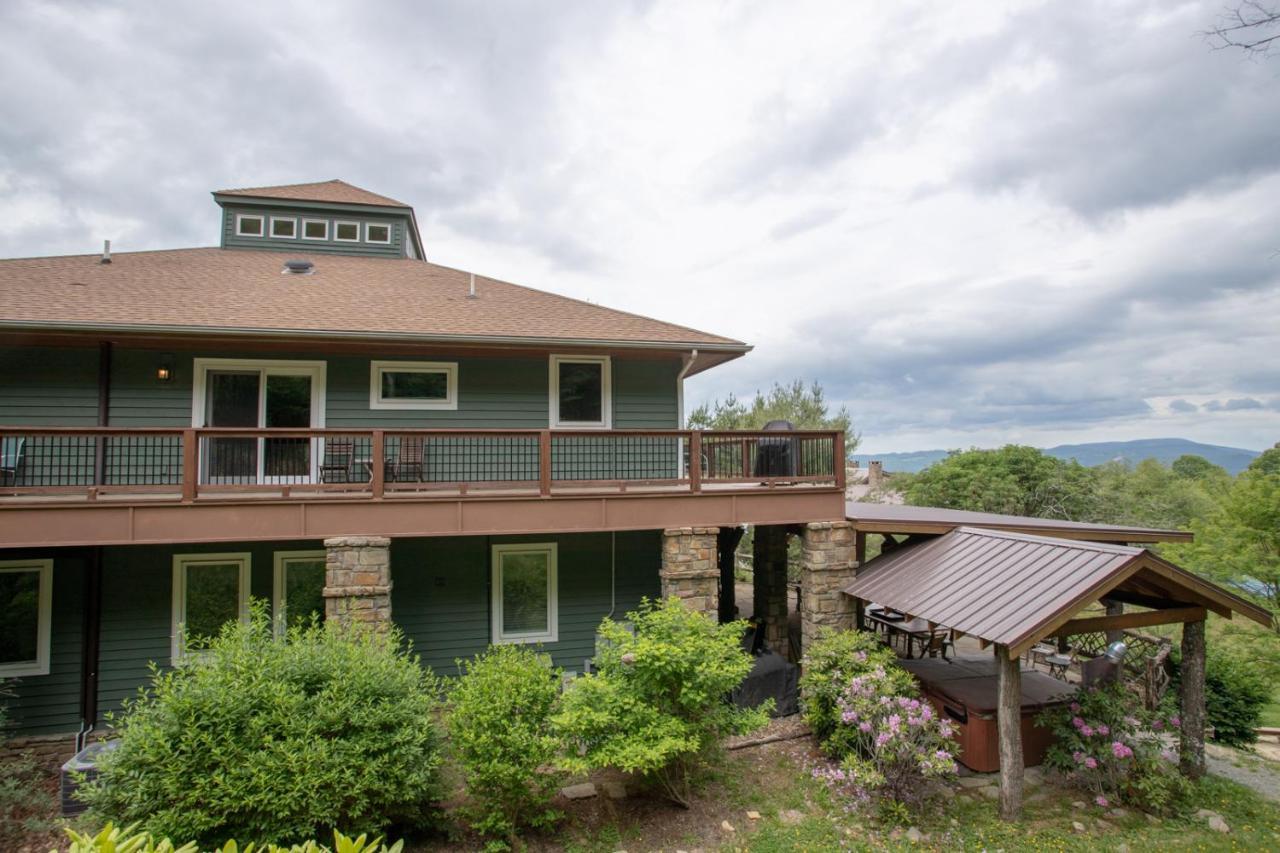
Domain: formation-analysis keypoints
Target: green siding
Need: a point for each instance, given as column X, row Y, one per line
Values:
column 395, row 249
column 47, row 386
column 49, row 704
column 644, row 394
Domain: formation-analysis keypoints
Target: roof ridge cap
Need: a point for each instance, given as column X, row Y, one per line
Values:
column 1079, row 544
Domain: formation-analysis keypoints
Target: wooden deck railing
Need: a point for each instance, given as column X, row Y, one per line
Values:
column 211, row 462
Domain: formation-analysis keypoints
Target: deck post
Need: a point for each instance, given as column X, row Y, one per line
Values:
column 727, row 542
column 689, row 571
column 357, row 581
column 695, row 461
column 826, row 568
column 1009, row 723
column 1191, row 736
column 1114, row 608
column 769, row 584
column 190, row 464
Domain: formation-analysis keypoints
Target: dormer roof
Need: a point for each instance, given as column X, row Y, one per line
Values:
column 331, row 192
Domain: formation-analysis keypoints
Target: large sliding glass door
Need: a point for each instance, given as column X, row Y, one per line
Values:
column 254, row 395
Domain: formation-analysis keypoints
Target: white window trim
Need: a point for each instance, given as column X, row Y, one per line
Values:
column 448, row 368
column 606, row 392
column 181, row 562
column 279, row 604
column 306, row 222
column 340, row 222
column 368, row 239
column 44, row 616
column 262, row 221
column 552, row 634
column 272, row 231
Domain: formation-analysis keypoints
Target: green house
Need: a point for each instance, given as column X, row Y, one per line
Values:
column 314, row 414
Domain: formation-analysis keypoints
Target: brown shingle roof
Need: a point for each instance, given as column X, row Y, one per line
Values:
column 244, row 290
column 335, row 191
column 1015, row 589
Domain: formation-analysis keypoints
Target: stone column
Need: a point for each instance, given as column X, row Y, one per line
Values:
column 769, row 584
column 826, row 568
column 357, row 584
column 689, row 570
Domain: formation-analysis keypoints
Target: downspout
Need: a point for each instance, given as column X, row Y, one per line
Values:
column 91, row 625
column 686, row 362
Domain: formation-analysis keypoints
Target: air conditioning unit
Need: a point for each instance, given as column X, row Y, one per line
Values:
column 85, row 761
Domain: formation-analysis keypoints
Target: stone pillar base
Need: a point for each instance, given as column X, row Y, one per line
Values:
column 357, row 586
column 827, row 567
column 689, row 570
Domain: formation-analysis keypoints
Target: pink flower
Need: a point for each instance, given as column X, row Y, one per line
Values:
column 1075, row 707
column 1101, row 801
column 1119, row 750
column 1077, row 757
column 1077, row 722
column 864, row 726
column 882, row 738
column 1087, row 731
column 1103, row 730
column 1091, row 763
column 1157, row 725
column 1175, row 722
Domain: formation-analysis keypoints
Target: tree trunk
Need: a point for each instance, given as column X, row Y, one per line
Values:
column 1009, row 722
column 1191, row 743
column 1114, row 608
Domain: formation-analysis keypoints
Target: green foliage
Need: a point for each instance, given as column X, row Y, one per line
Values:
column 1108, row 744
column 23, row 800
column 1189, row 466
column 1151, row 495
column 500, row 728
column 1235, row 692
column 277, row 740
column 657, row 706
column 832, row 660
column 1015, row 480
column 803, row 406
column 113, row 839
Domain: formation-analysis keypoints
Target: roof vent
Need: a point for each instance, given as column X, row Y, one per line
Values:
column 298, row 267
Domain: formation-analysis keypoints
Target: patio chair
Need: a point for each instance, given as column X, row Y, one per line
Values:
column 938, row 642
column 407, row 466
column 12, row 451
column 339, row 461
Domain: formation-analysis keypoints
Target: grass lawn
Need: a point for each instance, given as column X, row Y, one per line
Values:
column 1271, row 712
column 797, row 813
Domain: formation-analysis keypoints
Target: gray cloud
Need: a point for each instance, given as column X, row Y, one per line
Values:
column 1236, row 404
column 1183, row 407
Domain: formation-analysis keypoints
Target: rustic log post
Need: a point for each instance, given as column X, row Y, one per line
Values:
column 1114, row 608
column 1009, row 722
column 1191, row 738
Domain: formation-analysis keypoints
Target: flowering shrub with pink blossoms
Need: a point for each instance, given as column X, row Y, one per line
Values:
column 1109, row 745
column 892, row 749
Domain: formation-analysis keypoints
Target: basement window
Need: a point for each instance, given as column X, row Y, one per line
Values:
column 299, row 588
column 413, row 385
column 524, row 593
column 581, row 391
column 209, row 590
column 285, row 227
column 315, row 229
column 346, row 232
column 248, row 226
column 26, row 596
column 377, row 233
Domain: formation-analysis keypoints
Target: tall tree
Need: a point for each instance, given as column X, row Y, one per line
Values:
column 1250, row 25
column 1015, row 480
column 803, row 405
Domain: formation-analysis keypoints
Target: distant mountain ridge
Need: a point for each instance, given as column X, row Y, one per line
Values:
column 1165, row 450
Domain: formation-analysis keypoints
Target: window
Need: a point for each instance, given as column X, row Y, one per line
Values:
column 377, row 233
column 413, row 385
column 209, row 590
column 524, row 593
column 315, row 229
column 580, row 391
column 284, row 226
column 299, row 588
column 26, row 593
column 346, row 232
column 248, row 226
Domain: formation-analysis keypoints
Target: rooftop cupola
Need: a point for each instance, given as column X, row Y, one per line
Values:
column 327, row 217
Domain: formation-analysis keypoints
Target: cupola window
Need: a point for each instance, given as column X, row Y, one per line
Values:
column 377, row 233
column 248, row 226
column 284, row 226
column 346, row 232
column 315, row 229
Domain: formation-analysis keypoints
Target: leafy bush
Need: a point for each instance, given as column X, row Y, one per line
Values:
column 658, row 704
column 276, row 740
column 24, row 803
column 500, row 728
column 834, row 658
column 1235, row 692
column 892, row 747
column 112, row 839
column 1109, row 745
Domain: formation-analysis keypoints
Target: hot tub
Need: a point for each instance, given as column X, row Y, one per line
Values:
column 966, row 691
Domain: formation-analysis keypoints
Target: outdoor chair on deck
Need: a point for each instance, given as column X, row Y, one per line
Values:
column 12, row 450
column 339, row 461
column 937, row 643
column 407, row 467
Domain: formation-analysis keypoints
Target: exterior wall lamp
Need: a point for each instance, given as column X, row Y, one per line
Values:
column 164, row 372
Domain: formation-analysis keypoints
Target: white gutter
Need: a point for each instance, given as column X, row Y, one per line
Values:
column 330, row 334
column 685, row 364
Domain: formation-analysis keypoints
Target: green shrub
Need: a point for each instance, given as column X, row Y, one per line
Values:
column 1108, row 744
column 112, row 839
column 276, row 740
column 500, row 729
column 24, row 803
column 835, row 658
column 1235, row 694
column 658, row 705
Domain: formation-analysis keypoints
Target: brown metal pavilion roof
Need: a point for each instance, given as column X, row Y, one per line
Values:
column 1015, row 589
column 896, row 518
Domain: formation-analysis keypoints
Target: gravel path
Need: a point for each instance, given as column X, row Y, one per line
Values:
column 1246, row 768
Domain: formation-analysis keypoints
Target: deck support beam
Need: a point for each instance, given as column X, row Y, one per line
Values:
column 357, row 581
column 769, row 584
column 827, row 566
column 1009, row 723
column 727, row 541
column 1191, row 733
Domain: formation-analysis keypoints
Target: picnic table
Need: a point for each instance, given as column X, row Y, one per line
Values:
column 892, row 623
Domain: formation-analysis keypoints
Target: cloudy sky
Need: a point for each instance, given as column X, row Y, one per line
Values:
column 972, row 222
